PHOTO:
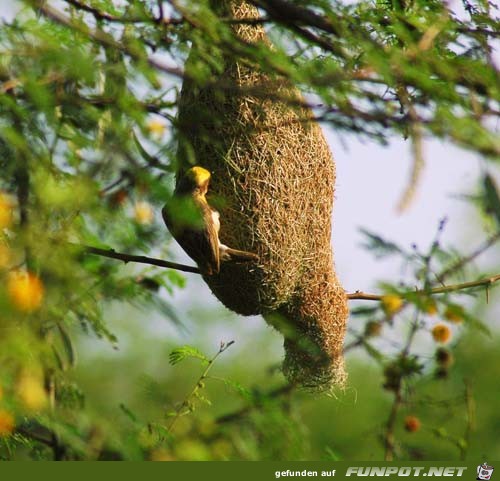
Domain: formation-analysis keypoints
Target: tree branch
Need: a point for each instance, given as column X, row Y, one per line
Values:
column 103, row 38
column 112, row 254
column 487, row 281
column 284, row 11
column 101, row 15
column 363, row 296
column 358, row 295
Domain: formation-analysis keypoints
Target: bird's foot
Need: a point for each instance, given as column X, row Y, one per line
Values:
column 235, row 255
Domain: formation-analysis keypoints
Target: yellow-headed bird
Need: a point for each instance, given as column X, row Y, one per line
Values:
column 201, row 243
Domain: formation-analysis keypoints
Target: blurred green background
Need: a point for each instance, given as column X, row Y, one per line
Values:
column 346, row 424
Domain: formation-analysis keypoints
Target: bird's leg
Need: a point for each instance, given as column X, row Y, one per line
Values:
column 228, row 254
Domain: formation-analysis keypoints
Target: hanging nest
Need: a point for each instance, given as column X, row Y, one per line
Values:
column 273, row 183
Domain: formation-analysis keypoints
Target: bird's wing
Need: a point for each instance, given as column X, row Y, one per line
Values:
column 212, row 236
column 202, row 245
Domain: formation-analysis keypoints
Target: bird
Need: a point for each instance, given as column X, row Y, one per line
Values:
column 201, row 242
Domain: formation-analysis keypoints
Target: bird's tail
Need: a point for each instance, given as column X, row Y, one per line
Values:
column 235, row 255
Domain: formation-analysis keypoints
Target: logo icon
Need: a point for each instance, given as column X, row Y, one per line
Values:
column 484, row 471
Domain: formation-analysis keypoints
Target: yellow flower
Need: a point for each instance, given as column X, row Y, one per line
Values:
column 441, row 333
column 25, row 291
column 391, row 304
column 5, row 211
column 6, row 423
column 143, row 213
column 156, row 127
column 31, row 392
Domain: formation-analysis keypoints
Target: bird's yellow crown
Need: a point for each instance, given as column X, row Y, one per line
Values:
column 198, row 175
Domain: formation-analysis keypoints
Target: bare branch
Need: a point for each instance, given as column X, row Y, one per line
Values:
column 363, row 296
column 486, row 282
column 110, row 253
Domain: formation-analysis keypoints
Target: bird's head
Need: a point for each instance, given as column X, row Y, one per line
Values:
column 195, row 178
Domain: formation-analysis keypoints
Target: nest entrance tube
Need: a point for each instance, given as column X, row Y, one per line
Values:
column 273, row 183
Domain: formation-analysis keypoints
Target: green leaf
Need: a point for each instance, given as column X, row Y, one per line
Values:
column 202, row 398
column 128, row 413
column 68, row 344
column 373, row 352
column 185, row 352
column 492, row 199
column 380, row 247
column 238, row 388
column 476, row 324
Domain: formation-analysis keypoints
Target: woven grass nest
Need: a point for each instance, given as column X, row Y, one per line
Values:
column 273, row 183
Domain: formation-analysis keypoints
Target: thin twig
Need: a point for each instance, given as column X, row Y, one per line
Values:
column 112, row 254
column 480, row 31
column 358, row 295
column 103, row 38
column 240, row 413
column 161, row 13
column 486, row 281
column 23, row 431
column 363, row 296
column 389, row 438
column 99, row 14
column 473, row 255
column 198, row 385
